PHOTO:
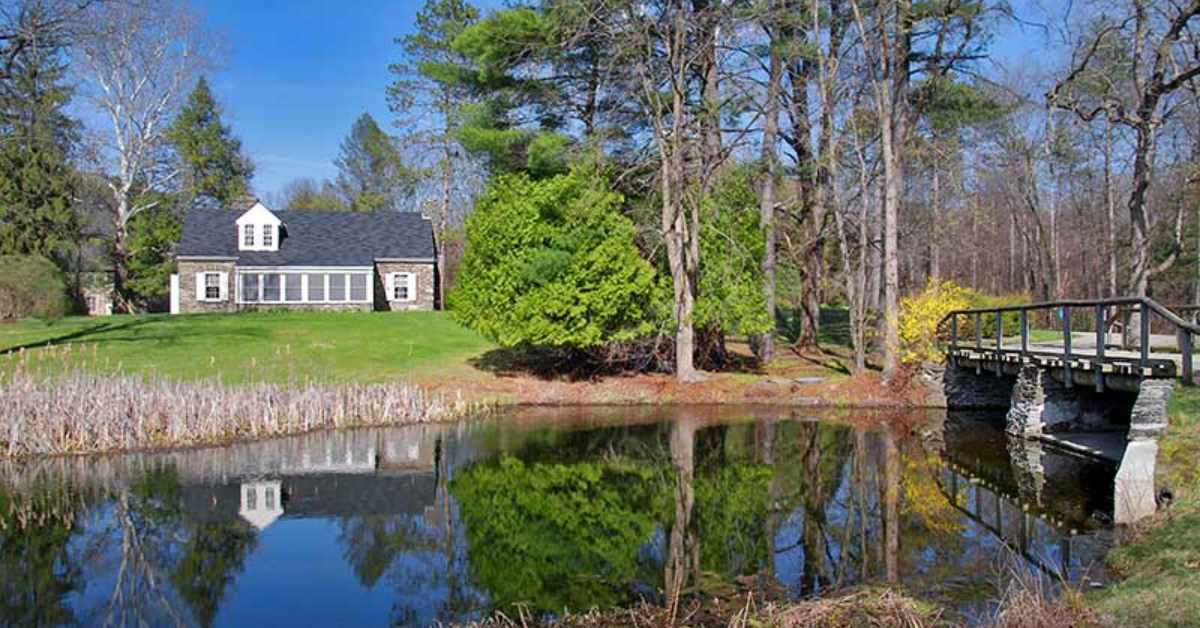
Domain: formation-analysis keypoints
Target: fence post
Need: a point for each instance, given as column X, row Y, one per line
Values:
column 999, row 342
column 953, row 338
column 1024, row 333
column 1098, row 367
column 1186, row 350
column 1144, row 340
column 1068, row 380
column 978, row 344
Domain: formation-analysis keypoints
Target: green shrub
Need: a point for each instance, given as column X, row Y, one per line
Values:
column 553, row 263
column 730, row 295
column 31, row 285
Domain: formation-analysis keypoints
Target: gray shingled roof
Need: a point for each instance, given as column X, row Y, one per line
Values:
column 313, row 238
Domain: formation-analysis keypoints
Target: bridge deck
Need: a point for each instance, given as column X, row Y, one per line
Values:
column 1090, row 340
column 1084, row 358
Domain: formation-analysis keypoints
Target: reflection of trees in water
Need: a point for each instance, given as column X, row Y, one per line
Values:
column 36, row 572
column 564, row 520
column 418, row 554
column 142, row 535
column 556, row 535
column 164, row 568
column 210, row 559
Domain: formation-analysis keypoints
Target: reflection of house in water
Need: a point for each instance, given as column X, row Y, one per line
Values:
column 261, row 504
column 332, row 474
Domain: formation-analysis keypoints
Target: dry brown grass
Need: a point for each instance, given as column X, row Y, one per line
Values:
column 881, row 608
column 1031, row 601
column 77, row 410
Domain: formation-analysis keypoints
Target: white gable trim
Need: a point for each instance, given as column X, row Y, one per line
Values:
column 264, row 226
column 259, row 214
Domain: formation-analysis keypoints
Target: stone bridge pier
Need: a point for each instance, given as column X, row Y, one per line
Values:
column 1038, row 401
column 1039, row 405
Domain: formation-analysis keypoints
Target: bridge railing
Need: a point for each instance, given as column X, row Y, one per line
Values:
column 1100, row 316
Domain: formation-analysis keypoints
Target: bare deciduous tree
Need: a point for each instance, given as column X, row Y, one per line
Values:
column 1162, row 58
column 137, row 58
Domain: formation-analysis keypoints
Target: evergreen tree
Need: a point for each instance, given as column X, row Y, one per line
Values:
column 371, row 174
column 216, row 171
column 37, row 182
column 153, row 235
column 427, row 96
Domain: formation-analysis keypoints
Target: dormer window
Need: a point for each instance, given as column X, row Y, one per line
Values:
column 258, row 229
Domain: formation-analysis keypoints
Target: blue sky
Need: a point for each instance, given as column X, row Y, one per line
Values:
column 297, row 73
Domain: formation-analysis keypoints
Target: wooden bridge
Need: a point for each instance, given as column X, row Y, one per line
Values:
column 1096, row 342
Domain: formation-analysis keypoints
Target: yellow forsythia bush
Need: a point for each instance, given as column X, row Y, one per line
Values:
column 919, row 317
column 920, row 314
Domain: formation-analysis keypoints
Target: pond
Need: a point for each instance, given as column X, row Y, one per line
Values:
column 553, row 509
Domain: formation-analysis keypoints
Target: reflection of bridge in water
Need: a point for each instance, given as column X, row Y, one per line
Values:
column 1041, row 503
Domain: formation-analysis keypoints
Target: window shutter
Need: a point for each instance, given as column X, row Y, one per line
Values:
column 223, row 281
column 411, row 278
column 389, row 286
column 200, row 286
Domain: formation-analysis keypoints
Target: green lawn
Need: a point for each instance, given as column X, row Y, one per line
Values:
column 265, row 346
column 1161, row 567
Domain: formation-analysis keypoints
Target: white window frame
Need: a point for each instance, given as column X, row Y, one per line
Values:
column 241, row 282
column 212, row 286
column 305, row 274
column 285, row 280
column 407, row 280
column 201, row 288
column 248, row 236
column 324, row 281
column 268, row 237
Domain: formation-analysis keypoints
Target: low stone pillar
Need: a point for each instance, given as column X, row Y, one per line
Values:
column 1148, row 419
column 1028, row 403
column 1133, row 488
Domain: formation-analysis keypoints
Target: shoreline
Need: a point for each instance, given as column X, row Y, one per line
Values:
column 474, row 412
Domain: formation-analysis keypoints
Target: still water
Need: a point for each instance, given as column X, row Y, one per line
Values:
column 552, row 509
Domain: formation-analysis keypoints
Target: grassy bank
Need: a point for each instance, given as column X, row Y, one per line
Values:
column 1159, row 564
column 327, row 347
column 425, row 348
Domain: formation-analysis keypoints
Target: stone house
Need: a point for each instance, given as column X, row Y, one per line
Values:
column 262, row 259
column 95, row 292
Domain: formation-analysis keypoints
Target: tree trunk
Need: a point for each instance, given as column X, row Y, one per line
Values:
column 679, row 548
column 1110, row 204
column 891, row 509
column 444, row 219
column 935, row 228
column 1055, row 262
column 892, row 174
column 121, row 261
column 894, row 124
column 1140, row 264
column 766, row 344
column 1012, row 252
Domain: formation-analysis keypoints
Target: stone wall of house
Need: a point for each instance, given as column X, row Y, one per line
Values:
column 425, row 286
column 188, row 304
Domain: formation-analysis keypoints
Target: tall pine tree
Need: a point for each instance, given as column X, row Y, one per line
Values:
column 37, row 181
column 371, row 174
column 216, row 173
